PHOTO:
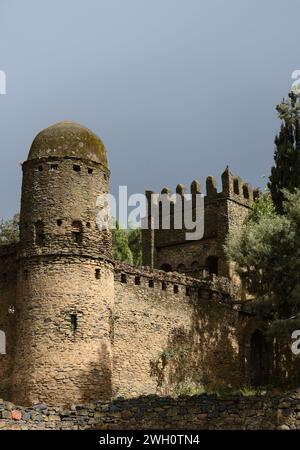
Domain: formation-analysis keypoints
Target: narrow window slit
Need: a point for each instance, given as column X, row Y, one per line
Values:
column 97, row 274
column 73, row 318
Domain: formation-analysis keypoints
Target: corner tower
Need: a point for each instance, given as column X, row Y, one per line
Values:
column 65, row 279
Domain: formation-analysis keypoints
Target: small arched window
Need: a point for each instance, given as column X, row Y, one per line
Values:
column 2, row 343
column 77, row 231
column 166, row 267
column 195, row 266
column 181, row 268
column 39, row 232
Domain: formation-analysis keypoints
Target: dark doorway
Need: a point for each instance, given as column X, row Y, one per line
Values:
column 212, row 264
column 260, row 359
column 166, row 267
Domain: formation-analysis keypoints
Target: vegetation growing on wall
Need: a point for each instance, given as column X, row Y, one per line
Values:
column 176, row 368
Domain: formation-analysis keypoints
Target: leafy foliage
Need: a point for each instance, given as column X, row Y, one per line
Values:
column 262, row 207
column 9, row 231
column 121, row 250
column 286, row 172
column 266, row 251
column 127, row 245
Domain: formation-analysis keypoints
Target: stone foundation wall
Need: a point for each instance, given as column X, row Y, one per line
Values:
column 194, row 413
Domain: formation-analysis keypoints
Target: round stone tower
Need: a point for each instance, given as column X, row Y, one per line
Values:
column 65, row 280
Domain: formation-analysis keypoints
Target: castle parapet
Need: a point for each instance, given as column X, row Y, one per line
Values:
column 146, row 278
column 233, row 188
column 236, row 189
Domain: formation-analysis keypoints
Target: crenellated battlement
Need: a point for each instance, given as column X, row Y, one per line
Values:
column 171, row 216
column 233, row 188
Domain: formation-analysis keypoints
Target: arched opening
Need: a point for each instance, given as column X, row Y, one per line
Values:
column 212, row 265
column 39, row 233
column 181, row 268
column 260, row 359
column 195, row 266
column 166, row 267
column 2, row 343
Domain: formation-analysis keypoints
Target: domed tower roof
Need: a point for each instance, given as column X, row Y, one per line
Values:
column 68, row 139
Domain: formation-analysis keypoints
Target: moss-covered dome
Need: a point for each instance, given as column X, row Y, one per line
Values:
column 68, row 139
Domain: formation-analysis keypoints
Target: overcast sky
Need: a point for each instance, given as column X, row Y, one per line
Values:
column 177, row 89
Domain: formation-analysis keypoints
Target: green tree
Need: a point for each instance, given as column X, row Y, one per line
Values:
column 135, row 245
column 9, row 230
column 121, row 249
column 127, row 245
column 266, row 252
column 262, row 207
column 286, row 172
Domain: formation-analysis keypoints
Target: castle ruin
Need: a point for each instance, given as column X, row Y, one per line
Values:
column 78, row 326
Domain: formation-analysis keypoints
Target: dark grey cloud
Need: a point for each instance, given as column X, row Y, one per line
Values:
column 177, row 89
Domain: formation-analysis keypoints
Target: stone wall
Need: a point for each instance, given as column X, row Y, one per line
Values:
column 223, row 212
column 62, row 330
column 171, row 331
column 64, row 202
column 162, row 413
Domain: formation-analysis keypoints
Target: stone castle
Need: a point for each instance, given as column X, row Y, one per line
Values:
column 78, row 326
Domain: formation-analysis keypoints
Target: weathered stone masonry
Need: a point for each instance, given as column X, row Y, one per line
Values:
column 80, row 327
column 271, row 412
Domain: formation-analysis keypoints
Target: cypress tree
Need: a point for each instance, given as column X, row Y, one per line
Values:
column 285, row 174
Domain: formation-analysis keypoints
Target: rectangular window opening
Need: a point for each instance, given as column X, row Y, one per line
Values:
column 151, row 283
column 123, row 278
column 97, row 274
column 137, row 280
column 73, row 318
column 76, row 168
column 77, row 237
